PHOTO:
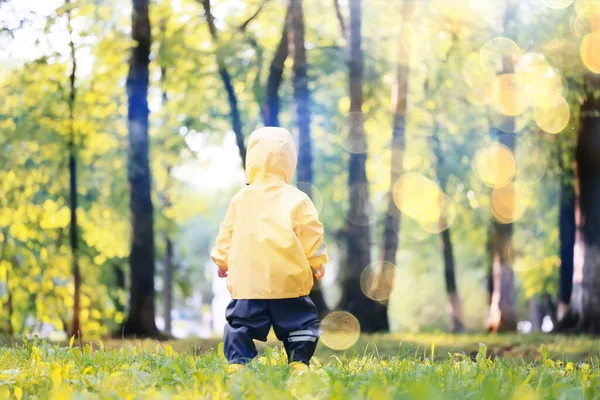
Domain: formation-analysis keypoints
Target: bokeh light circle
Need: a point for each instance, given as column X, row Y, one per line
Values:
column 518, row 246
column 509, row 124
column 376, row 282
column 352, row 120
column 340, row 330
column 480, row 96
column 474, row 75
column 447, row 216
column 586, row 8
column 509, row 203
column 418, row 197
column 412, row 231
column 532, row 164
column 316, row 196
column 579, row 26
column 509, row 95
column 359, row 215
column 493, row 53
column 590, row 52
column 538, row 78
column 557, row 4
column 495, row 165
column 562, row 52
column 554, row 116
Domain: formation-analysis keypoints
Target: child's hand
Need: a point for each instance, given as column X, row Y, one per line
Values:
column 222, row 273
column 319, row 272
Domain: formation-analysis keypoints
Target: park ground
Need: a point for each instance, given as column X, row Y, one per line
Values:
column 399, row 366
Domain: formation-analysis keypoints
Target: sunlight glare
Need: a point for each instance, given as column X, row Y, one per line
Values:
column 494, row 51
column 590, row 52
column 509, row 203
column 495, row 165
column 341, row 330
column 376, row 282
column 553, row 116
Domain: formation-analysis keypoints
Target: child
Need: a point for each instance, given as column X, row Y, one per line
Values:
column 269, row 246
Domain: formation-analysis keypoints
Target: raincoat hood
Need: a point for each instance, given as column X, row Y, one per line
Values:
column 271, row 155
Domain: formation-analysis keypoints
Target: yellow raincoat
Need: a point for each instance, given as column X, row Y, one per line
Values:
column 271, row 237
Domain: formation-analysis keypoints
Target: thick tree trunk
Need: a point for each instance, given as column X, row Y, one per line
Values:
column 358, row 232
column 168, row 283
column 585, row 299
column 119, row 275
column 140, row 321
column 567, row 244
column 303, row 117
column 234, row 113
column 270, row 108
column 76, row 326
column 503, row 306
column 301, row 94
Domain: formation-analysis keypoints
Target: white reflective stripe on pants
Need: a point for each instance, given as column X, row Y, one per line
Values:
column 302, row 339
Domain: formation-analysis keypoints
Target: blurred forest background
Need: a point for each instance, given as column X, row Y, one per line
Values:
column 452, row 148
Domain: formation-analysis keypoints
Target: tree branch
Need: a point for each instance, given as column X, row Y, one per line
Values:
column 244, row 25
column 340, row 17
column 236, row 120
column 270, row 107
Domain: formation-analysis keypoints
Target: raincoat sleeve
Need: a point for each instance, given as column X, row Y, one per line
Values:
column 220, row 253
column 309, row 231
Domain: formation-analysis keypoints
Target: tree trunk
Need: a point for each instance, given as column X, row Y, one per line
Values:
column 141, row 318
column 489, row 264
column 567, row 244
column 340, row 18
column 9, row 306
column 234, row 113
column 535, row 314
column 392, row 216
column 585, row 299
column 168, row 283
column 302, row 102
column 76, row 326
column 119, row 275
column 270, row 108
column 301, row 94
column 454, row 303
column 503, row 306
column 358, row 232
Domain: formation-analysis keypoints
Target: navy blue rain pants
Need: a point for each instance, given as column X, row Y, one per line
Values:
column 295, row 322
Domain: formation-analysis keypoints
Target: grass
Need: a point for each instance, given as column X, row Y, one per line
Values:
column 378, row 367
